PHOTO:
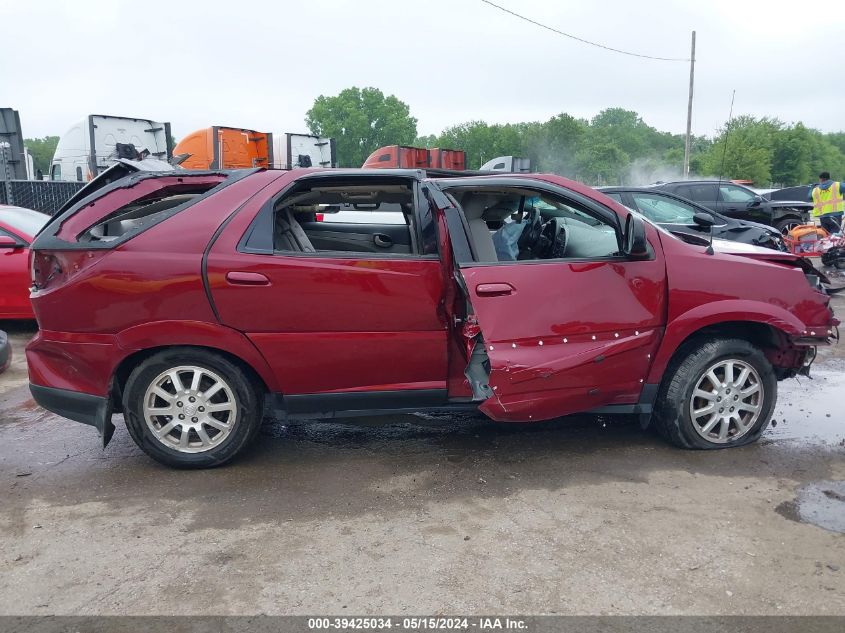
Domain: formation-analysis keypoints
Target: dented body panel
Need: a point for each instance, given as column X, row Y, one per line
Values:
column 556, row 346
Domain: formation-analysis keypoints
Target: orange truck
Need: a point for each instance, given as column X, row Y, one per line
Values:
column 220, row 147
column 404, row 156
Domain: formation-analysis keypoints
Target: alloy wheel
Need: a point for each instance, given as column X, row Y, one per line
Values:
column 727, row 401
column 190, row 409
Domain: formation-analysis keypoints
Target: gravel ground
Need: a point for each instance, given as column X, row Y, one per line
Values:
column 429, row 514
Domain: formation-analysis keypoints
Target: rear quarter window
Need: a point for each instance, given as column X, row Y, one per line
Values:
column 134, row 217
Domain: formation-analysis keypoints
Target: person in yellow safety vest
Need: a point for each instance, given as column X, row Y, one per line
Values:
column 828, row 203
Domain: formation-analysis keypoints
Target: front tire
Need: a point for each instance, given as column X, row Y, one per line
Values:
column 716, row 394
column 787, row 224
column 191, row 408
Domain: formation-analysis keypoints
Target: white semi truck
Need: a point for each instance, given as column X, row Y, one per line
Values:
column 94, row 144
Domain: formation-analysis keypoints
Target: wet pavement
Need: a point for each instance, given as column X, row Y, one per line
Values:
column 429, row 513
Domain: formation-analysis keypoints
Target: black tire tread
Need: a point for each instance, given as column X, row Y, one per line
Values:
column 671, row 398
column 250, row 400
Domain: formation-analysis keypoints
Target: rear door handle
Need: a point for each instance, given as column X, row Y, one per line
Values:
column 382, row 240
column 240, row 278
column 496, row 289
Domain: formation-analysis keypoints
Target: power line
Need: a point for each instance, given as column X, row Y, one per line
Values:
column 582, row 40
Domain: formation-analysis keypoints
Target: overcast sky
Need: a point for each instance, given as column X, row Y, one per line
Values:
column 260, row 65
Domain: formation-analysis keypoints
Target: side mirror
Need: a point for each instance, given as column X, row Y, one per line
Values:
column 756, row 202
column 703, row 219
column 7, row 241
column 636, row 244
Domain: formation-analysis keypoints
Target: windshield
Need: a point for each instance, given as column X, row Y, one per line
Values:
column 25, row 221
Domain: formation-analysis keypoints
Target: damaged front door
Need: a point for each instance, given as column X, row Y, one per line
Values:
column 550, row 337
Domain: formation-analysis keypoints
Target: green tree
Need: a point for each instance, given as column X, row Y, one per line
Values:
column 42, row 150
column 361, row 121
column 602, row 163
column 744, row 149
column 552, row 146
column 792, row 155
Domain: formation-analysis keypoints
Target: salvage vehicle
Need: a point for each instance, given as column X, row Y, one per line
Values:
column 197, row 302
column 678, row 215
column 97, row 142
column 741, row 203
column 18, row 227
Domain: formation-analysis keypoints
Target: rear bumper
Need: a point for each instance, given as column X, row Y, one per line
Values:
column 80, row 407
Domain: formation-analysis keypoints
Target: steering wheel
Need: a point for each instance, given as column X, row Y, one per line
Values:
column 531, row 234
column 555, row 232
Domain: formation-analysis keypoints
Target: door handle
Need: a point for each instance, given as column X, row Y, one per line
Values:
column 382, row 240
column 497, row 289
column 240, row 278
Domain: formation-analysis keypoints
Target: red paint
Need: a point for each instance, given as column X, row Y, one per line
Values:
column 333, row 323
column 310, row 324
column 556, row 343
column 15, row 275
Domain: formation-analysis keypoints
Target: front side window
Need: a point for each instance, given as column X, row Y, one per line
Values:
column 523, row 225
column 56, row 172
column 661, row 209
column 732, row 193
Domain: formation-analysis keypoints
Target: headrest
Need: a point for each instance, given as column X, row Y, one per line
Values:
column 501, row 210
column 474, row 204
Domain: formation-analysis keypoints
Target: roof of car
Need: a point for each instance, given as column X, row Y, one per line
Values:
column 619, row 189
column 707, row 181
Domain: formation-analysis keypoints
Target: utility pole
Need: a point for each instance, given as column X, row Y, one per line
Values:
column 688, row 140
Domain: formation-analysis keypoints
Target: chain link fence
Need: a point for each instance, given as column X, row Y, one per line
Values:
column 42, row 195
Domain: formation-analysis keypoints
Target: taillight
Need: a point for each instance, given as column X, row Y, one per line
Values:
column 52, row 268
column 320, row 216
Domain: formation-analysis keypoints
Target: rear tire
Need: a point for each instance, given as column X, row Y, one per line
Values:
column 191, row 408
column 716, row 393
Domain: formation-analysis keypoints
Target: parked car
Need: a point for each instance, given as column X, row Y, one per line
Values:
column 679, row 215
column 5, row 352
column 18, row 227
column 193, row 302
column 740, row 202
column 799, row 192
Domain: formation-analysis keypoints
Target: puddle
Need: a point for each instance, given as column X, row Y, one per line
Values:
column 821, row 503
column 810, row 410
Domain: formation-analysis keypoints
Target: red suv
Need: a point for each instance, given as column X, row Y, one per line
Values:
column 197, row 302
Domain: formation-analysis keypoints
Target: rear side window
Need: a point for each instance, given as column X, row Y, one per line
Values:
column 697, row 192
column 79, row 173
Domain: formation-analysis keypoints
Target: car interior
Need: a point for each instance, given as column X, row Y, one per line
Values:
column 298, row 226
column 515, row 224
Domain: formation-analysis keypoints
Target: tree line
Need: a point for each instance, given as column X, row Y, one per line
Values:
column 614, row 147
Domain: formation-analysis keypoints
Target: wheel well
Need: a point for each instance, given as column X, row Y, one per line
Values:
column 121, row 374
column 759, row 334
